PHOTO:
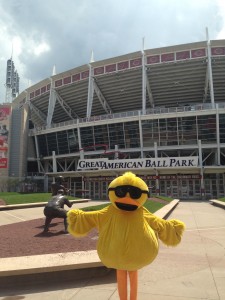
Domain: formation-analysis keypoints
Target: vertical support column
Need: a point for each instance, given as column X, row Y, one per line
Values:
column 54, row 164
column 81, row 154
column 210, row 69
column 38, row 155
column 79, row 141
column 45, row 176
column 90, row 89
column 116, row 155
column 156, row 171
column 51, row 105
column 218, row 134
column 201, row 168
column 143, row 80
column 141, row 134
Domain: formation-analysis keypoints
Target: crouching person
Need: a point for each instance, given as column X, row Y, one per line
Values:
column 55, row 209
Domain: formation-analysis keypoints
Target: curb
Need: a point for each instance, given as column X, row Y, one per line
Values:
column 36, row 204
column 217, row 203
column 13, row 267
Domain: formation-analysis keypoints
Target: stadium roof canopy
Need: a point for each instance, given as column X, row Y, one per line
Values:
column 175, row 76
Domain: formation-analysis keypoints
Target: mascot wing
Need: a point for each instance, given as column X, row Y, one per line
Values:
column 80, row 223
column 169, row 232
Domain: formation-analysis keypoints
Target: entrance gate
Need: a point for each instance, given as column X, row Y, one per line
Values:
column 181, row 188
column 97, row 189
column 175, row 186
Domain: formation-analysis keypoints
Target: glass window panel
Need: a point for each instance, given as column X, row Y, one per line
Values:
column 132, row 136
column 62, row 142
column 207, row 129
column 150, row 132
column 101, row 135
column 187, row 130
column 222, row 128
column 73, row 143
column 87, row 138
column 116, row 135
column 42, row 144
column 172, row 131
column 52, row 143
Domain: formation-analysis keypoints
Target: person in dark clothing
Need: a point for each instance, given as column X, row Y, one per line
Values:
column 55, row 209
column 58, row 185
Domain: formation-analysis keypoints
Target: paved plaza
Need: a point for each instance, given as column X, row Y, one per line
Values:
column 193, row 270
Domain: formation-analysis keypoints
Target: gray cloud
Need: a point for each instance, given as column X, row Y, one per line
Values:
column 72, row 28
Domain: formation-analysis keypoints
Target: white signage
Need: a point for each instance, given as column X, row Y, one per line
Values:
column 144, row 163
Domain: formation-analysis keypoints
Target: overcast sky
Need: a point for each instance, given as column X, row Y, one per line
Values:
column 63, row 33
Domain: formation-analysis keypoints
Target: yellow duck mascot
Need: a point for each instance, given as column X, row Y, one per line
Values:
column 128, row 232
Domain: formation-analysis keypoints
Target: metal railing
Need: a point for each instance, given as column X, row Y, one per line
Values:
column 122, row 115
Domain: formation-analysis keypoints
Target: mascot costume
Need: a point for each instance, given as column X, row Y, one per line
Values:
column 128, row 232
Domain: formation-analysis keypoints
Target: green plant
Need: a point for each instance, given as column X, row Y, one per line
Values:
column 222, row 199
column 150, row 205
column 11, row 198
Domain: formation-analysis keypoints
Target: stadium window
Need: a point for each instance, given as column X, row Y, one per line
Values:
column 52, row 143
column 62, row 142
column 132, row 134
column 116, row 135
column 222, row 128
column 73, row 140
column 42, row 145
column 87, row 137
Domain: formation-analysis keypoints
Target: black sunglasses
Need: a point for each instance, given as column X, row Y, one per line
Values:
column 122, row 190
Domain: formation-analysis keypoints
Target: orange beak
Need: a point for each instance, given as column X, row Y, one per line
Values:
column 127, row 204
column 127, row 200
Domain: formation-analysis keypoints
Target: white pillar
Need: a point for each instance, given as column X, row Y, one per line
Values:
column 210, row 69
column 90, row 89
column 218, row 134
column 201, row 168
column 54, row 165
column 51, row 105
column 141, row 134
column 143, row 80
column 156, row 171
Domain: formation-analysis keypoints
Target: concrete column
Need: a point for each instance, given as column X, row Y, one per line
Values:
column 143, row 81
column 201, row 168
column 210, row 69
column 218, row 134
column 156, row 171
column 54, row 164
column 141, row 135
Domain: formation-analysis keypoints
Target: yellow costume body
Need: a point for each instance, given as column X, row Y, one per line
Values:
column 127, row 240
column 128, row 233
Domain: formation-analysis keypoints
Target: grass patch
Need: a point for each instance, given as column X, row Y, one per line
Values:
column 11, row 198
column 150, row 205
column 222, row 199
column 162, row 197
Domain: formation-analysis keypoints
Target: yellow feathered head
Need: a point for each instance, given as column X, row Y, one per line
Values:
column 128, row 192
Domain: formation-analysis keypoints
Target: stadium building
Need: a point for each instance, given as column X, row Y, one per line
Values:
column 159, row 113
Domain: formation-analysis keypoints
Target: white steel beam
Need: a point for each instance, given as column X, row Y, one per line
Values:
column 66, row 107
column 38, row 113
column 210, row 68
column 143, row 79
column 101, row 98
column 206, row 85
column 149, row 91
column 40, row 167
column 90, row 92
column 51, row 105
